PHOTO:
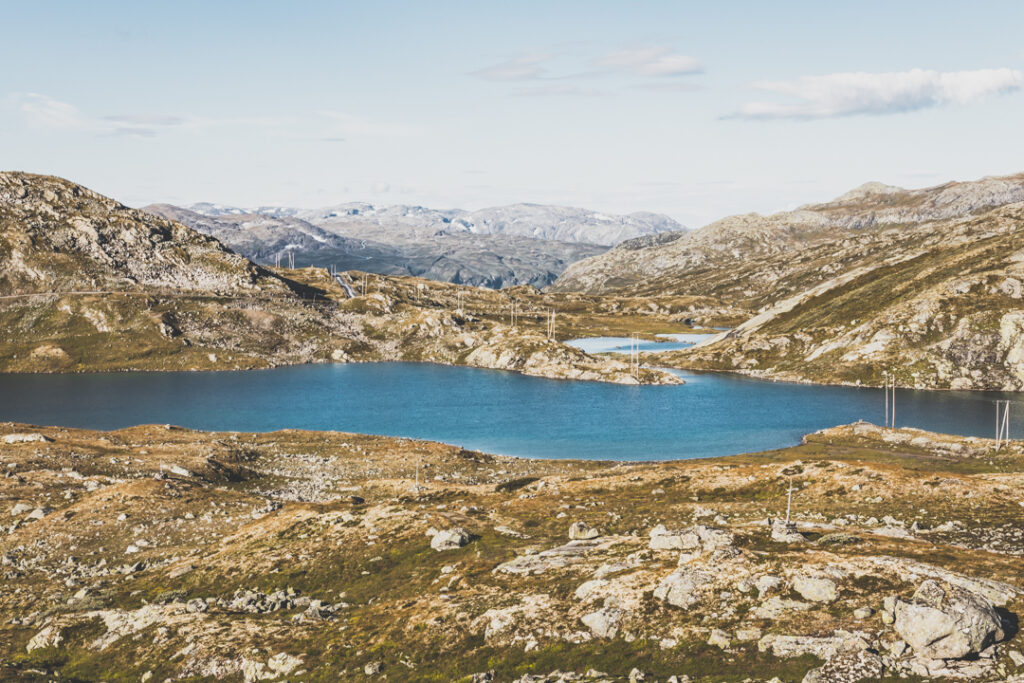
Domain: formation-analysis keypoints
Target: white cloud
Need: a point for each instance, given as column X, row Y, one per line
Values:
column 341, row 125
column 848, row 94
column 556, row 89
column 651, row 61
column 522, row 68
column 42, row 111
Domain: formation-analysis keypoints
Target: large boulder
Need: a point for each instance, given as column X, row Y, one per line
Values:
column 815, row 589
column 581, row 531
column 684, row 587
column 603, row 623
column 947, row 622
column 697, row 537
column 450, row 539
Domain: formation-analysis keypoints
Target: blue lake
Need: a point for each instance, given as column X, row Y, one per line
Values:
column 498, row 412
column 669, row 342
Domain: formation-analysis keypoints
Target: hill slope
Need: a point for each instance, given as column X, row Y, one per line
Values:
column 740, row 258
column 89, row 284
column 938, row 304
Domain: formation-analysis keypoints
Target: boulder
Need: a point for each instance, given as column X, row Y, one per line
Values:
column 20, row 509
column 663, row 539
column 48, row 637
column 785, row 532
column 603, row 623
column 450, row 539
column 850, row 666
column 719, row 639
column 697, row 537
column 947, row 622
column 24, row 438
column 581, row 531
column 684, row 587
column 815, row 589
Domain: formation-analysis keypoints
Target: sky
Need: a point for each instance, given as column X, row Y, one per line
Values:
column 693, row 109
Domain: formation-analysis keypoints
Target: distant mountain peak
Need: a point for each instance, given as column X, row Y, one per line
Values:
column 868, row 189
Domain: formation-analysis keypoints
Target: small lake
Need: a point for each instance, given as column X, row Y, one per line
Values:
column 493, row 411
column 668, row 342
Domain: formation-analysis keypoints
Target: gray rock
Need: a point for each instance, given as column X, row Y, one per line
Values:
column 604, row 623
column 815, row 589
column 20, row 509
column 784, row 532
column 684, row 587
column 848, row 667
column 581, row 531
column 450, row 539
column 373, row 668
column 767, row 583
column 947, row 622
column 719, row 638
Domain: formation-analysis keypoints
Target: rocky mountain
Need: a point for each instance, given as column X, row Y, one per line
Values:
column 705, row 261
column 539, row 221
column 414, row 247
column 496, row 247
column 87, row 283
column 56, row 236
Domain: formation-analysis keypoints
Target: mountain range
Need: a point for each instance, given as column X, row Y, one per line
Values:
column 495, row 247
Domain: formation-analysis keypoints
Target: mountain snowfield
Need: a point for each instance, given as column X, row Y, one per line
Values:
column 538, row 221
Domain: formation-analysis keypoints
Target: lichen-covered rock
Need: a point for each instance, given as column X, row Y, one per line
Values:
column 581, row 531
column 815, row 589
column 604, row 623
column 684, row 587
column 450, row 539
column 946, row 622
column 848, row 667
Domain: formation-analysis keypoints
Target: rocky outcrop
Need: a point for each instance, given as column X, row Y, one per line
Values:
column 946, row 622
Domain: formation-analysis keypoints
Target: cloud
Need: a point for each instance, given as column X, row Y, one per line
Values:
column 341, row 125
column 42, row 111
column 522, row 68
column 653, row 61
column 559, row 89
column 849, row 94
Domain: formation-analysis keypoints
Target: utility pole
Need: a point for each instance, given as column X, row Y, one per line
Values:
column 1002, row 424
column 634, row 356
column 789, row 498
column 894, row 402
column 890, row 400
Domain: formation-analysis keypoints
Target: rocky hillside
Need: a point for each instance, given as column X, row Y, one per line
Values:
column 56, row 237
column 938, row 305
column 158, row 553
column 924, row 285
column 415, row 248
column 704, row 261
column 88, row 284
